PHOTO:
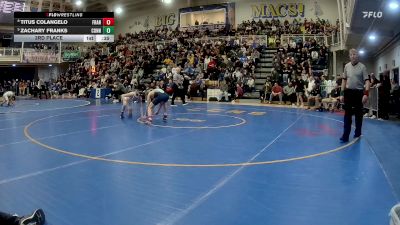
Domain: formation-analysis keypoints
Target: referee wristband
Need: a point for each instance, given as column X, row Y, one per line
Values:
column 366, row 93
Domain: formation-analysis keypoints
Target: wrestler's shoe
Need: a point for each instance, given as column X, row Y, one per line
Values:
column 37, row 218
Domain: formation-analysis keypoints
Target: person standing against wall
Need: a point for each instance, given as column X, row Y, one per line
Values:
column 354, row 93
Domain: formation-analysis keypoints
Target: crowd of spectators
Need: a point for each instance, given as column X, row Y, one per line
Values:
column 231, row 61
column 269, row 27
column 147, row 59
column 276, row 27
column 140, row 66
column 25, row 87
column 134, row 66
column 42, row 46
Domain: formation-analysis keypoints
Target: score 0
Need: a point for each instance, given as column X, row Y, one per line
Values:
column 108, row 21
column 108, row 30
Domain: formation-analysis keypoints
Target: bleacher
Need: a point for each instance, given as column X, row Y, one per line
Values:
column 142, row 55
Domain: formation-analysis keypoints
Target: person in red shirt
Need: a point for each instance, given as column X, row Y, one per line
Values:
column 276, row 91
column 239, row 91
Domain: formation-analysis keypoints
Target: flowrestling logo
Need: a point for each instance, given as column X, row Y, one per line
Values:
column 372, row 14
column 7, row 9
column 10, row 7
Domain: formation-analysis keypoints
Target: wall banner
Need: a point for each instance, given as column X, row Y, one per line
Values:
column 277, row 10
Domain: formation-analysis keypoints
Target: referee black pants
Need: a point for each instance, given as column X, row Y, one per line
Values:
column 353, row 106
column 178, row 92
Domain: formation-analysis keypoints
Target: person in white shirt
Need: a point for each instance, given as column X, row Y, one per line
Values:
column 310, row 85
column 8, row 98
column 251, row 84
column 127, row 99
column 237, row 74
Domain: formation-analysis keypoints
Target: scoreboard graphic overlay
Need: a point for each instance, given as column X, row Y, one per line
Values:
column 64, row 27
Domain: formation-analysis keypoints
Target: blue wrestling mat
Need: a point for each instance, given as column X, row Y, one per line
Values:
column 42, row 105
column 219, row 164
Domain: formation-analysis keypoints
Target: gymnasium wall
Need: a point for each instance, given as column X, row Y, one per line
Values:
column 342, row 58
column 389, row 59
column 149, row 19
column 8, row 73
column 244, row 10
column 324, row 9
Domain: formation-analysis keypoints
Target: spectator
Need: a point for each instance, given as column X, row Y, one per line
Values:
column 330, row 103
column 239, row 91
column 266, row 91
column 224, row 91
column 299, row 87
column 276, row 91
column 395, row 97
column 314, row 96
column 289, row 93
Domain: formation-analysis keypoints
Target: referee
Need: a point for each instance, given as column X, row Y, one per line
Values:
column 354, row 94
